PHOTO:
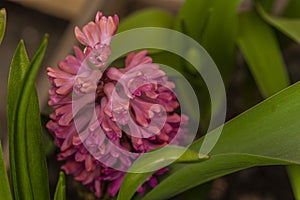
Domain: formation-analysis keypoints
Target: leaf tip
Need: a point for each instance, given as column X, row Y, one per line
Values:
column 62, row 177
column 203, row 156
column 22, row 43
column 2, row 11
column 46, row 37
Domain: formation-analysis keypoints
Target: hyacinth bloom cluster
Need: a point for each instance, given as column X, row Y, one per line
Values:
column 104, row 118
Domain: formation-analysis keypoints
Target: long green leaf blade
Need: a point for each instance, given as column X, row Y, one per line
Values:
column 29, row 172
column 2, row 23
column 18, row 67
column 189, row 176
column 60, row 192
column 270, row 76
column 36, row 156
column 4, row 189
column 28, row 106
column 290, row 27
column 267, row 134
column 262, row 53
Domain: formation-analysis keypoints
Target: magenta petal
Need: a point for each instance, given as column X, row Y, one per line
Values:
column 115, row 186
column 97, row 188
column 72, row 167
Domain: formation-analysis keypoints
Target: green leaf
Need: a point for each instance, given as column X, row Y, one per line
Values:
column 153, row 160
column 262, row 53
column 267, row 4
column 270, row 78
column 204, row 21
column 35, row 150
column 19, row 63
column 290, row 27
column 164, row 155
column 276, row 78
column 192, row 175
column 2, row 23
column 294, row 173
column 27, row 158
column 147, row 18
column 287, row 27
column 267, row 134
column 60, row 191
column 219, row 35
column 292, row 9
column 201, row 20
column 131, row 183
column 192, row 17
column 4, row 189
column 29, row 107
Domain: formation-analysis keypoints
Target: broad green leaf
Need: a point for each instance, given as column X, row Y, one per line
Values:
column 147, row 18
column 4, row 189
column 271, row 77
column 262, row 53
column 194, row 174
column 155, row 159
column 27, row 158
column 2, row 23
column 288, row 26
column 267, row 134
column 60, row 191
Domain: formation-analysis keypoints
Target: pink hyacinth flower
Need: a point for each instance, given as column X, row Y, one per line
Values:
column 103, row 120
